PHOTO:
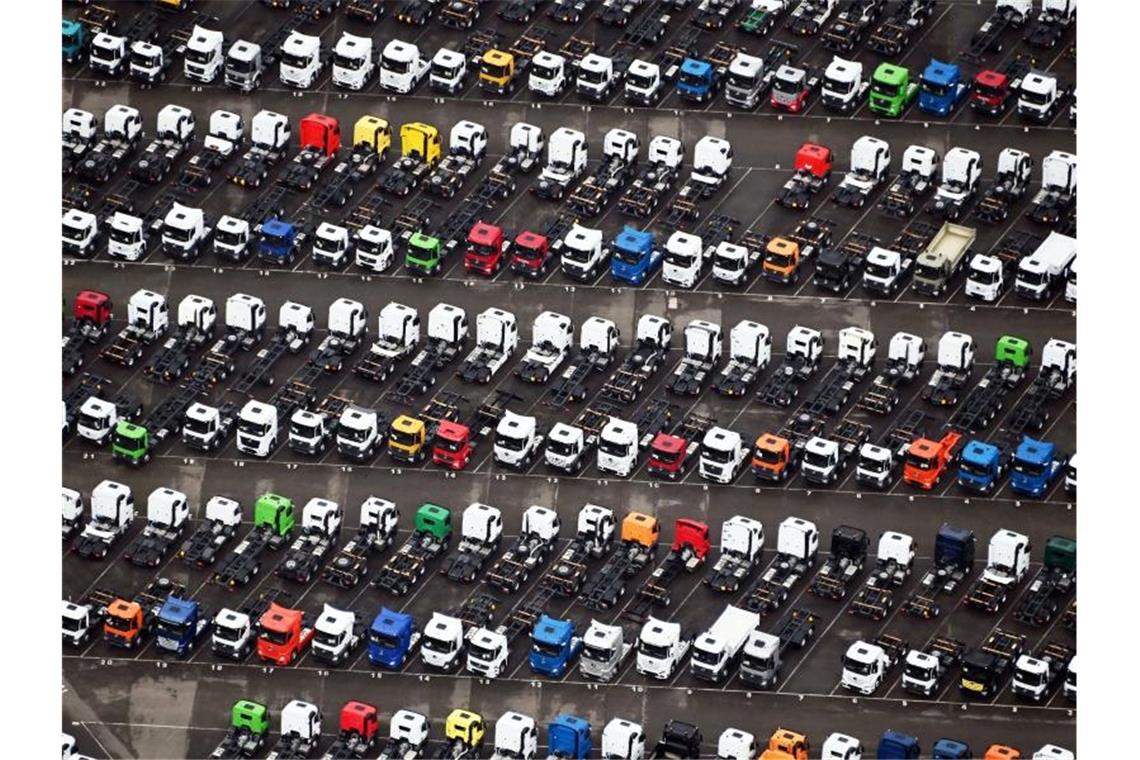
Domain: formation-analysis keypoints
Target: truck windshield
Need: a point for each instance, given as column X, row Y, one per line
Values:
column 919, row 462
column 226, row 633
column 172, row 629
column 597, row 76
column 493, row 71
column 789, row 86
column 705, row 656
column 881, row 271
column 1028, row 468
column 294, row 61
column 838, row 86
column 989, row 91
column 126, row 237
column 393, row 66
column 1036, row 98
column 195, row 425
column 177, row 234
column 752, row 662
column 342, row 61
column 984, row 278
column 383, row 640
column 934, row 88
column 613, row 448
column 679, row 258
column 1031, row 278
column 104, row 52
column 274, row 637
column 544, row 72
column 928, row 272
column 639, row 81
column 484, row 654
column 973, row 468
column 238, row 66
column 225, row 237
column 974, row 671
column 815, row 459
column 300, row 430
column 855, row 666
column 449, row 444
column 1031, row 679
column 743, row 81
column 716, row 455
column 627, row 256
column 437, row 645
column 883, row 88
column 771, row 456
column 442, row 71
column 728, row 263
column 527, row 252
column 666, row 457
column 547, row 649
column 873, row 465
column 596, row 654
column 330, row 640
column 510, row 442
column 356, row 435
column 560, row 448
column 73, row 233
column 126, row 443
column 120, row 623
column 577, row 254
column 403, row 437
column 779, row 258
column 199, row 56
column 93, row 423
column 144, row 61
column 656, row 651
column 325, row 245
column 481, row 249
column 252, row 428
column 919, row 672
column 72, row 624
column 692, row 80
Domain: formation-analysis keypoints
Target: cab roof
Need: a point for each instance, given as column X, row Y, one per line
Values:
column 892, row 74
column 484, row 234
column 695, row 67
column 498, row 57
column 407, row 424
column 939, row 72
column 991, row 78
column 924, row 447
column 669, row 444
column 550, row 630
column 771, row 442
column 280, row 619
column 390, row 620
column 452, row 431
column 528, row 239
column 177, row 610
column 632, row 239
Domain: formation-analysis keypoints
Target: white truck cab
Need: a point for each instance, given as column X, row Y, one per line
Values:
column 843, row 85
column 126, row 238
column 660, row 648
column 1007, row 560
column 402, row 68
column 1040, row 273
column 596, row 77
column 883, row 271
column 547, row 74
column 96, row 420
column 353, row 62
column 712, row 160
column 623, row 740
column 112, row 511
column 552, row 337
column 864, row 667
column 723, row 455
column 841, row 747
column 685, row 257
column 870, row 163
column 358, row 433
column 373, row 247
column 517, row 440
column 487, row 653
column 301, row 62
column 618, row 447
column 643, row 82
column 448, row 71
column 516, row 736
column 232, row 239
column 745, row 81
column 332, row 246
column 961, row 170
column 335, row 633
column 1039, row 96
column 443, row 642
column 80, row 233
column 204, row 59
column 582, row 252
column 566, row 156
column 257, row 429
column 244, row 66
column 184, row 232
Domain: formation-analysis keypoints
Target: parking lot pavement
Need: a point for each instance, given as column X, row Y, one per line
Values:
column 138, row 704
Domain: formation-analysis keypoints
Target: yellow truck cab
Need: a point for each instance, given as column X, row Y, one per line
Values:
column 497, row 72
column 465, row 727
column 422, row 140
column 406, row 440
column 374, row 133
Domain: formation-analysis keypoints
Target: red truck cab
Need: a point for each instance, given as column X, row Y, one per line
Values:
column 360, row 720
column 990, row 93
column 668, row 457
column 452, row 447
column 531, row 254
column 484, row 252
column 320, row 132
column 282, row 635
column 928, row 460
column 93, row 311
column 814, row 159
column 691, row 534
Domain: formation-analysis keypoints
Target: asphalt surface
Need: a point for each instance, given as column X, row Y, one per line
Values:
column 141, row 705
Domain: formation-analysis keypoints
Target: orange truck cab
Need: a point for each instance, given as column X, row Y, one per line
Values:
column 125, row 625
column 928, row 460
column 639, row 534
column 1002, row 752
column 484, row 253
column 788, row 744
column 283, row 635
column 771, row 459
column 782, row 261
column 452, row 446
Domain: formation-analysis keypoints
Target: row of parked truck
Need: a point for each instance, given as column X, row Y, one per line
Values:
column 467, row 734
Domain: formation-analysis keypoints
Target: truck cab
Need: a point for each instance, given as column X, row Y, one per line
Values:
column 697, row 81
column 596, row 78
column 332, row 246
column 360, row 433
column 257, row 429
column 336, row 635
column 302, row 60
column 112, row 512
column 565, row 162
column 582, row 253
column 864, row 667
column 530, row 254
column 723, row 455
column 244, row 66
column 204, row 59
column 497, row 72
column 635, row 256
column 1040, row 97
column 618, row 447
column 448, row 72
column 373, row 247
column 940, row 88
column 1035, row 467
column 486, row 249
column 660, row 648
column 643, row 82
column 554, row 646
column 843, row 85
column 184, row 232
column 685, row 257
column 353, row 61
column 745, row 81
column 1040, row 273
column 517, row 440
column 283, row 635
column 516, row 736
column 402, row 67
column 892, row 90
column 547, row 76
column 80, row 233
column 624, row 740
column 180, row 626
column 392, row 637
column 716, row 651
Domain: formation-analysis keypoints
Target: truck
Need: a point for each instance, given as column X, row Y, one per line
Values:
column 844, row 85
column 1045, row 271
column 914, row 181
column 811, row 172
column 961, row 171
column 421, row 148
column 234, row 633
column 338, row 633
column 635, row 256
column 927, row 460
column 926, row 670
column 122, row 133
column 678, row 739
column 300, row 731
column 894, row 561
column 991, row 35
column 446, row 339
column 92, row 312
column 804, row 349
column 1041, row 97
column 181, row 625
column 944, row 258
column 1007, row 564
column 269, row 140
column 651, row 347
column 565, row 163
column 1058, row 194
column 1058, row 575
column 303, row 59
column 397, row 336
column 551, row 339
column 880, row 464
column 166, row 514
column 623, row 739
column 449, row 71
column 593, row 540
column 283, row 635
column 750, row 351
column 1010, row 184
column 220, row 522
column 702, row 349
column 620, row 150
column 320, row 525
column 990, row 275
column 480, row 537
column 956, row 351
column 986, row 669
column 892, row 90
column 248, row 732
column 569, row 736
column 843, row 565
column 354, row 62
column 687, row 554
column 637, row 547
column 467, row 147
column 376, row 532
column 273, row 525
column 1052, row 22
column 357, row 732
column 112, row 512
column 797, row 547
column 854, row 361
column 360, row 432
column 995, row 90
column 555, row 647
column 72, row 512
column 318, row 145
column 953, row 564
column 430, row 538
column 605, row 648
column 392, row 639
column 224, row 138
column 763, row 652
column 528, row 552
column 716, row 651
column 941, row 89
column 173, row 135
column 516, row 735
column 661, row 648
column 597, row 77
column 496, row 336
column 80, row 130
column 1037, row 676
column 408, row 733
column 870, row 163
column 487, row 249
column 204, row 57
column 723, row 455
column 792, row 87
column 110, row 48
column 712, row 162
column 983, row 403
column 866, row 664
column 1035, row 467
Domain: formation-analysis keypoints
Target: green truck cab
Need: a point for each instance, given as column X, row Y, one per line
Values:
column 1013, row 351
column 891, row 90
column 434, row 519
column 275, row 512
column 130, row 444
column 248, row 731
column 424, row 255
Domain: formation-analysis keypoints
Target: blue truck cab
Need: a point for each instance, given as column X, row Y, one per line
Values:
column 941, row 88
column 895, row 745
column 74, row 40
column 181, row 625
column 697, row 80
column 554, row 647
column 981, row 467
column 635, row 256
column 569, row 736
column 278, row 242
column 951, row 749
column 391, row 638
column 1036, row 465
